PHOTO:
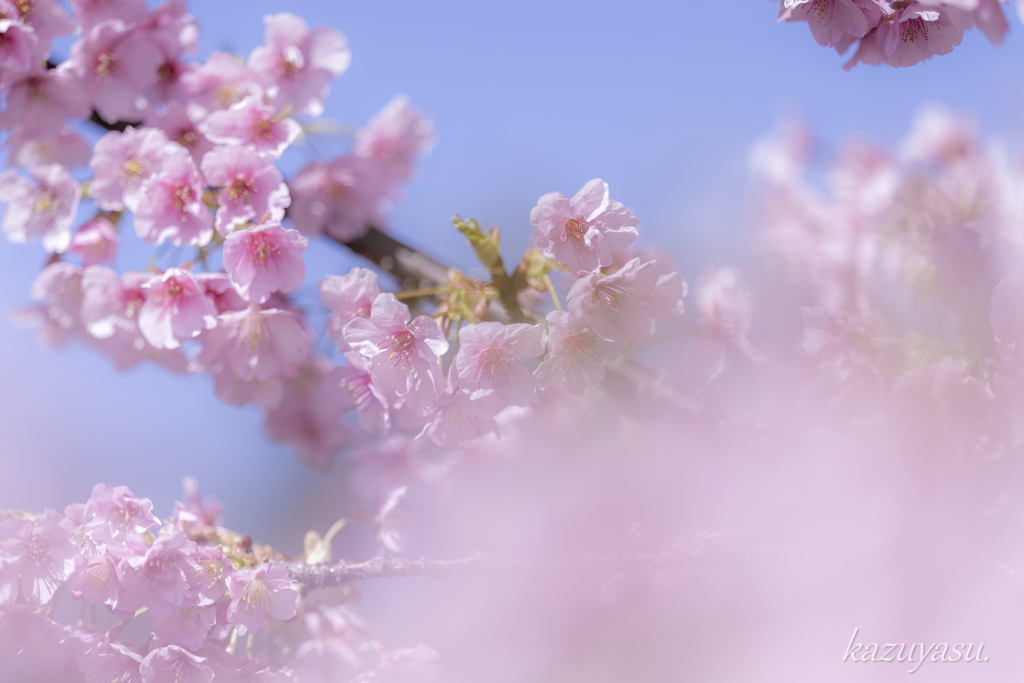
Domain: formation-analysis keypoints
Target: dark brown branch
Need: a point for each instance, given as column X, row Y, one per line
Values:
column 119, row 126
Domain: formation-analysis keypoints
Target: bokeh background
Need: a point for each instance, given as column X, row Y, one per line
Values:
column 663, row 100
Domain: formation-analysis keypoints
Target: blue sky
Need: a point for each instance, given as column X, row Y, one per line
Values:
column 661, row 99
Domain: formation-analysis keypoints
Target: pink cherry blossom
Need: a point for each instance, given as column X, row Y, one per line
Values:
column 726, row 313
column 613, row 305
column 88, row 13
column 307, row 418
column 186, row 626
column 36, row 555
column 453, row 418
column 582, row 232
column 358, row 391
column 116, row 662
column 576, row 355
column 96, row 578
column 347, row 297
column 221, row 292
column 181, row 125
column 834, row 23
column 157, row 578
column 41, row 101
column 265, row 259
column 122, row 162
column 114, row 62
column 65, row 147
column 299, row 62
column 250, row 187
column 58, row 289
column 111, row 303
column 251, row 122
column 916, row 33
column 47, row 19
column 43, row 209
column 202, row 513
column 173, row 664
column 17, row 51
column 257, row 345
column 341, row 198
column 220, row 82
column 403, row 356
column 258, row 594
column 174, row 33
column 395, row 137
column 176, row 309
column 24, row 627
column 116, row 518
column 172, row 204
column 95, row 242
column 487, row 370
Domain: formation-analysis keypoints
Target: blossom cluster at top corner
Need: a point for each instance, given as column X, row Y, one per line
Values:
column 896, row 33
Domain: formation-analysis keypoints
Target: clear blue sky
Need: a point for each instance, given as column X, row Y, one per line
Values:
column 661, row 99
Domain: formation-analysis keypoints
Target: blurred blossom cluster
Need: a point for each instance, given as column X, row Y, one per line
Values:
column 910, row 261
column 790, row 434
column 182, row 601
column 897, row 32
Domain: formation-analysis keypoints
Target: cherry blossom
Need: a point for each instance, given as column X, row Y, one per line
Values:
column 181, row 125
column 114, row 62
column 172, row 205
column 403, row 356
column 66, row 148
column 582, row 232
column 613, row 305
column 250, row 185
column 176, row 309
column 47, row 19
column 43, row 208
column 487, row 369
column 88, row 13
column 265, row 591
column 342, row 197
column 95, row 242
column 256, row 344
column 41, row 101
column 173, row 664
column 36, row 556
column 395, row 137
column 347, row 297
column 220, row 82
column 576, row 355
column 265, row 259
column 358, row 391
column 251, row 122
column 17, row 50
column 299, row 62
column 122, row 162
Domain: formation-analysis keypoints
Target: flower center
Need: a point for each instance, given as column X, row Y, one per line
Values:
column 104, row 65
column 241, row 187
column 575, row 229
column 263, row 248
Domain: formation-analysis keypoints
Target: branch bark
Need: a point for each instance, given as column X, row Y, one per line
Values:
column 313, row 576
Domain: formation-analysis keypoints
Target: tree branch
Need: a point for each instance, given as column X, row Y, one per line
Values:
column 313, row 576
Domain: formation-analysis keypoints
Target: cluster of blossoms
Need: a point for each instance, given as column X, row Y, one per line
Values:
column 190, row 160
column 896, row 32
column 179, row 601
column 909, row 263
